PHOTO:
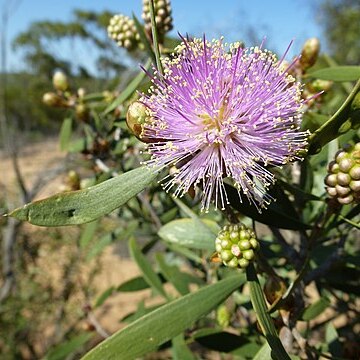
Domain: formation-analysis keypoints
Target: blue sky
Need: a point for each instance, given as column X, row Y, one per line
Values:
column 280, row 21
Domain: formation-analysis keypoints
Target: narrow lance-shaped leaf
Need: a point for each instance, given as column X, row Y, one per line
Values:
column 188, row 233
column 163, row 324
column 265, row 321
column 82, row 206
column 65, row 134
column 149, row 274
column 337, row 73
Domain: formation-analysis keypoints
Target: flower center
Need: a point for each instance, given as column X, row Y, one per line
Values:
column 213, row 122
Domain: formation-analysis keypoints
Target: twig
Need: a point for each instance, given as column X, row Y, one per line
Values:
column 9, row 238
column 98, row 328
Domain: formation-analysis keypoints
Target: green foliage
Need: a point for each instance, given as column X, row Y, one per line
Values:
column 164, row 323
column 340, row 19
column 307, row 266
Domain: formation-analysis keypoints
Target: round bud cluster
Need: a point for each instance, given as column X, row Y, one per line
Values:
column 236, row 245
column 122, row 29
column 163, row 16
column 343, row 179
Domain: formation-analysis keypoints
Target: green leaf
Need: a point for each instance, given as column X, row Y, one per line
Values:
column 149, row 274
column 88, row 233
column 77, row 145
column 186, row 232
column 180, row 350
column 189, row 254
column 265, row 321
column 264, row 353
column 338, row 73
column 135, row 284
column 332, row 340
column 83, row 206
column 154, row 32
column 140, row 312
column 104, row 296
column 173, row 275
column 65, row 133
column 128, row 91
column 62, row 351
column 144, row 39
column 163, row 324
column 312, row 311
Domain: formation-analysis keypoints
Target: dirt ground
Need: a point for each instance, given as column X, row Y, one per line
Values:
column 113, row 269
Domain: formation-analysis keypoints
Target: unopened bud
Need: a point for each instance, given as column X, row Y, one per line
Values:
column 343, row 179
column 136, row 116
column 82, row 112
column 236, row 245
column 223, row 316
column 60, row 81
column 123, row 31
column 320, row 85
column 53, row 100
column 309, row 53
column 163, row 17
column 81, row 92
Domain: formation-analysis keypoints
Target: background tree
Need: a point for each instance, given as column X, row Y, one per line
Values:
column 340, row 20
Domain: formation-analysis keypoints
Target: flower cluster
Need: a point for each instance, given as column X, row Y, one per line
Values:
column 222, row 111
column 236, row 245
column 163, row 17
column 122, row 29
column 343, row 179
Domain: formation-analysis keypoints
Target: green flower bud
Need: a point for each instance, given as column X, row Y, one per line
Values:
column 355, row 172
column 82, row 112
column 244, row 244
column 331, row 180
column 346, row 164
column 249, row 254
column 346, row 200
column 320, row 85
column 355, row 185
column 343, row 179
column 226, row 255
column 243, row 263
column 53, row 100
column 223, row 316
column 236, row 245
column 81, row 92
column 309, row 53
column 234, row 262
column 136, row 116
column 123, row 31
column 60, row 81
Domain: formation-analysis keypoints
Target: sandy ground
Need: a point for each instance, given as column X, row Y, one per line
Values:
column 112, row 269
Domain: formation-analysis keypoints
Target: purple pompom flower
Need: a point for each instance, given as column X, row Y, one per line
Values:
column 223, row 111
